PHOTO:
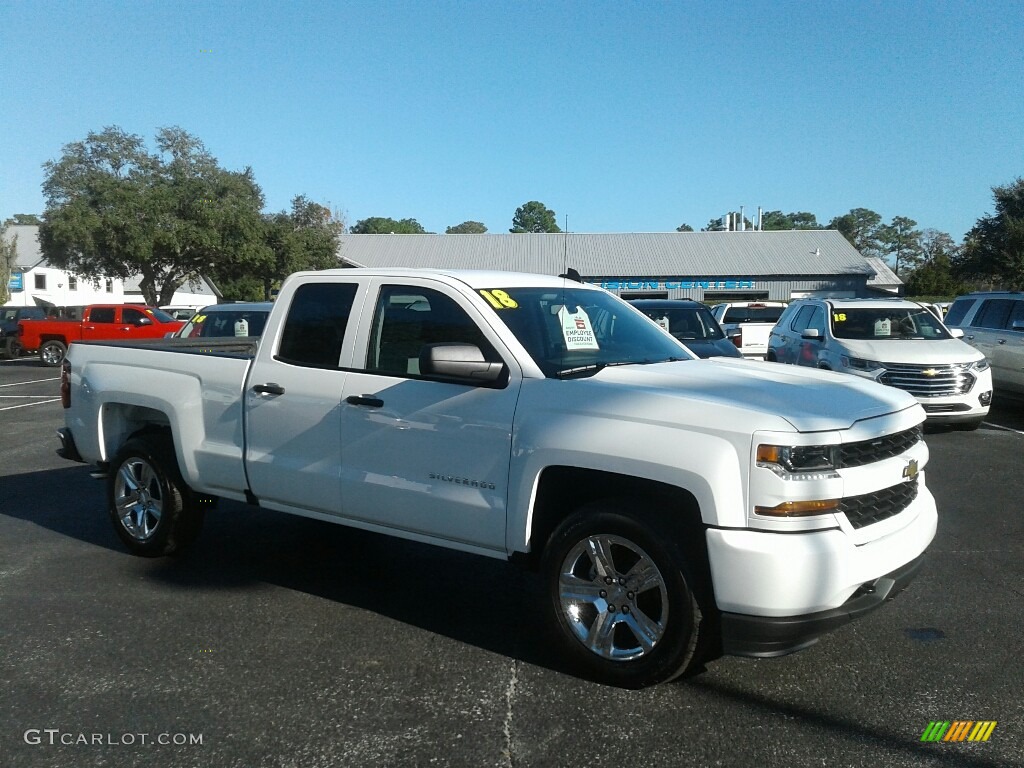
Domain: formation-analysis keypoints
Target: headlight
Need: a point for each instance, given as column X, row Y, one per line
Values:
column 800, row 462
column 980, row 365
column 860, row 364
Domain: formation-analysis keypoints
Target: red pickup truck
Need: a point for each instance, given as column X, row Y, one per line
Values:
column 51, row 337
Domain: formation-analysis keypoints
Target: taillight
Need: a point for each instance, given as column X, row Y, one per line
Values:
column 65, row 384
column 738, row 339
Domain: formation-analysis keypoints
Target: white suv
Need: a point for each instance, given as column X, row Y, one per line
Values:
column 994, row 324
column 893, row 342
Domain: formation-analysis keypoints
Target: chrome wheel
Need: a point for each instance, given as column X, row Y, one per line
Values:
column 613, row 597
column 51, row 353
column 138, row 498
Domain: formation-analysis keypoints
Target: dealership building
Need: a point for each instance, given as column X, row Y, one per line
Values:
column 706, row 266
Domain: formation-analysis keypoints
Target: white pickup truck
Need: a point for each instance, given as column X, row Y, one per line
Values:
column 675, row 508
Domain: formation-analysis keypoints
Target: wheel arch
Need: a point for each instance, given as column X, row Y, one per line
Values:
column 561, row 490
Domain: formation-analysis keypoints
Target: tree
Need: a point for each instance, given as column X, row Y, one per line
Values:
column 534, row 216
column 860, row 228
column 994, row 247
column 901, row 241
column 378, row 225
column 8, row 254
column 934, row 275
column 777, row 220
column 24, row 218
column 715, row 225
column 684, row 228
column 303, row 239
column 115, row 210
column 466, row 228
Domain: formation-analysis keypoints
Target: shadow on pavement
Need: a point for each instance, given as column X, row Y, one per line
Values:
column 476, row 600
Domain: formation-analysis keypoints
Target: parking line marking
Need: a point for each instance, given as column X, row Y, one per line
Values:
column 1005, row 429
column 35, row 381
column 23, row 397
column 29, row 405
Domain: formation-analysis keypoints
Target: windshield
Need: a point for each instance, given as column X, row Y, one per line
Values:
column 576, row 331
column 221, row 323
column 686, row 323
column 160, row 315
column 882, row 323
column 755, row 313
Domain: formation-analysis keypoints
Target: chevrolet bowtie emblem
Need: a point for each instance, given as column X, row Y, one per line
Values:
column 929, row 372
column 910, row 471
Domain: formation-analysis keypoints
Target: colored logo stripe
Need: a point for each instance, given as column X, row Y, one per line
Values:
column 959, row 730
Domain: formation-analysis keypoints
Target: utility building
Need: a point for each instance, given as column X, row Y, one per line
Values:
column 706, row 266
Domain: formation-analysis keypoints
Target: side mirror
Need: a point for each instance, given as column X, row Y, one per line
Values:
column 452, row 360
column 141, row 321
column 956, row 333
column 811, row 333
column 1017, row 325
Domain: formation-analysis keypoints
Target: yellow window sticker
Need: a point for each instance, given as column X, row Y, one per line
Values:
column 839, row 317
column 499, row 299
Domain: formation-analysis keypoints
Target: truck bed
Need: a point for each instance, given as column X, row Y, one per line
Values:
column 244, row 347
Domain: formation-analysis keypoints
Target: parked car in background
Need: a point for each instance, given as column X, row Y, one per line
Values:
column 180, row 313
column 10, row 340
column 221, row 320
column 993, row 323
column 50, row 337
column 753, row 320
column 692, row 323
column 893, row 342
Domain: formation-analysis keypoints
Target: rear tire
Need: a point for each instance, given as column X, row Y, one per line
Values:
column 52, row 352
column 153, row 511
column 629, row 608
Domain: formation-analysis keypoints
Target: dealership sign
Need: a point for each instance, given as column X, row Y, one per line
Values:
column 17, row 282
column 685, row 284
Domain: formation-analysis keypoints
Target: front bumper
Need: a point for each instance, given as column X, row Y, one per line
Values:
column 764, row 636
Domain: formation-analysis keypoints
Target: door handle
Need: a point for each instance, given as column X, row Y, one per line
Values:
column 1002, row 341
column 368, row 400
column 269, row 389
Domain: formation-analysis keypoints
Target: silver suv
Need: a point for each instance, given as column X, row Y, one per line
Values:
column 993, row 323
column 893, row 342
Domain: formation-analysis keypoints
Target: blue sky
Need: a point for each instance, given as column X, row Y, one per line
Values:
column 622, row 116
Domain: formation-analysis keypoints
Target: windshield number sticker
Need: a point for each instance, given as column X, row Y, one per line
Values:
column 576, row 329
column 839, row 317
column 499, row 299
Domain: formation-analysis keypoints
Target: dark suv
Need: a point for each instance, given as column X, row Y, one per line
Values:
column 10, row 345
column 692, row 323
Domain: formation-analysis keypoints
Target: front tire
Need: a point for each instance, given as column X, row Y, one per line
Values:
column 153, row 511
column 629, row 608
column 51, row 353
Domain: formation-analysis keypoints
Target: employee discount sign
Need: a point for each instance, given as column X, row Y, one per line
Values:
column 576, row 329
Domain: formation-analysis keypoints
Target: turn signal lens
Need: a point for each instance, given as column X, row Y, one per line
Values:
column 800, row 508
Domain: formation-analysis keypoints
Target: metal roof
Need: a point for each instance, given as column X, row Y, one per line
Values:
column 884, row 276
column 754, row 253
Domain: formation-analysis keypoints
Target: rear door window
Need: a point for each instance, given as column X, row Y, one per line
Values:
column 315, row 327
column 102, row 315
column 994, row 313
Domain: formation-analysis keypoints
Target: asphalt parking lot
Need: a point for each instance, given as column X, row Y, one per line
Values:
column 280, row 641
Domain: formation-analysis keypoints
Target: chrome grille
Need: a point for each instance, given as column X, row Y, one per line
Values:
column 869, row 451
column 874, row 507
column 928, row 380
